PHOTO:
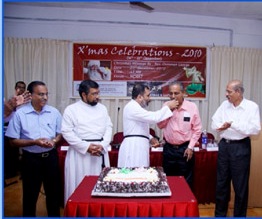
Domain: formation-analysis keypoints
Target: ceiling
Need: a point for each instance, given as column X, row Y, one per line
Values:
column 240, row 10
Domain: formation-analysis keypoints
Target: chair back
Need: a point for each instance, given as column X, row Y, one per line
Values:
column 117, row 138
column 153, row 133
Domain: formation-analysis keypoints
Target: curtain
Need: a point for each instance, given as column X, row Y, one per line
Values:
column 38, row 59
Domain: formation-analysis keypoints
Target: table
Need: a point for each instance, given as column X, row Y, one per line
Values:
column 204, row 182
column 182, row 203
column 205, row 175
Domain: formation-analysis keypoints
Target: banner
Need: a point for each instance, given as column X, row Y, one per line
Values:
column 116, row 68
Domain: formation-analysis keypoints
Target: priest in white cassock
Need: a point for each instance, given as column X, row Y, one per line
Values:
column 134, row 150
column 87, row 128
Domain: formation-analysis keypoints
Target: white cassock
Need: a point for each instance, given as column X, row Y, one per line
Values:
column 82, row 121
column 134, row 151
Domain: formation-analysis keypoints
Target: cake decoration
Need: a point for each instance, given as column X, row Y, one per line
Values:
column 127, row 182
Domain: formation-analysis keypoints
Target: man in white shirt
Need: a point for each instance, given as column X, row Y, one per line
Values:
column 134, row 150
column 236, row 119
column 87, row 127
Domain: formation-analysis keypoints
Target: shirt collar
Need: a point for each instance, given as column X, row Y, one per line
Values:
column 183, row 106
column 241, row 105
column 30, row 109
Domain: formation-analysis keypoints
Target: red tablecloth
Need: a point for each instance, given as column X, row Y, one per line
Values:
column 182, row 203
column 204, row 183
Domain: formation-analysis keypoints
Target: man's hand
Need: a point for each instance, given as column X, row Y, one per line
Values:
column 172, row 104
column 44, row 142
column 225, row 126
column 95, row 149
column 154, row 142
column 22, row 99
column 188, row 153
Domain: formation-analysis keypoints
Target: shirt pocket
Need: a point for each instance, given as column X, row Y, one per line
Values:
column 185, row 127
column 49, row 127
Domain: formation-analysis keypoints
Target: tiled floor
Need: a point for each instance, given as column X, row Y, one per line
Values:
column 13, row 203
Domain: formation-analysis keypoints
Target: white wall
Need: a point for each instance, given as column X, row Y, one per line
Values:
column 124, row 26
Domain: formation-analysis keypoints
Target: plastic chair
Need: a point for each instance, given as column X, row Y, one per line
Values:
column 117, row 140
column 153, row 133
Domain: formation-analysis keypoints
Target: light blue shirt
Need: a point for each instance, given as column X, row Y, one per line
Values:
column 26, row 123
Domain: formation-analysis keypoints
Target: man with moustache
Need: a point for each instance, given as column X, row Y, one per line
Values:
column 134, row 150
column 181, row 132
column 87, row 127
column 235, row 120
column 35, row 128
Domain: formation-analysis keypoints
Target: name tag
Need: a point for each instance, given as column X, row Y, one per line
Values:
column 186, row 117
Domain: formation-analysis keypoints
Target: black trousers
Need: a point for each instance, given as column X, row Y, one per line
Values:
column 175, row 164
column 38, row 169
column 233, row 164
column 11, row 160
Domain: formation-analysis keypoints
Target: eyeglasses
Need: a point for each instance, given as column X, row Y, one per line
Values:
column 95, row 93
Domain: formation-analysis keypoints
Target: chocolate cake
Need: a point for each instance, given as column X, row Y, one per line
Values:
column 145, row 181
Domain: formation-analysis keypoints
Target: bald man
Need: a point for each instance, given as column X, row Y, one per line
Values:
column 235, row 120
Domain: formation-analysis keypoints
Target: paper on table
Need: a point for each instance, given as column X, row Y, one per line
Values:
column 64, row 148
column 196, row 148
column 156, row 149
column 212, row 148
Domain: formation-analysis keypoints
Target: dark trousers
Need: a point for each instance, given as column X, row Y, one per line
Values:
column 38, row 169
column 233, row 164
column 175, row 164
column 11, row 159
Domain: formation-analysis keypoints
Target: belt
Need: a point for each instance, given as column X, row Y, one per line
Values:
column 178, row 145
column 42, row 155
column 234, row 141
column 141, row 136
column 103, row 158
column 101, row 139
